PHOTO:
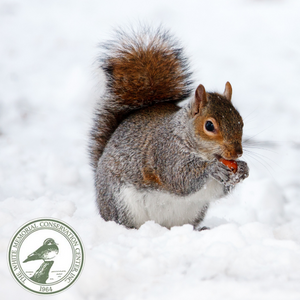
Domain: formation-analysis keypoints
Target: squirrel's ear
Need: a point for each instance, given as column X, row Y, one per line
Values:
column 228, row 91
column 200, row 100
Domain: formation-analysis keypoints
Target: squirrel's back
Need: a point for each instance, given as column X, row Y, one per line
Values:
column 142, row 68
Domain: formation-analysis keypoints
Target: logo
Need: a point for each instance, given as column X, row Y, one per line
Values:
column 45, row 256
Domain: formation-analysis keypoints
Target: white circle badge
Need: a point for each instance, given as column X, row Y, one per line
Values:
column 45, row 256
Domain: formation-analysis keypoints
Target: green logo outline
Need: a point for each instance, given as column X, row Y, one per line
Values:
column 20, row 242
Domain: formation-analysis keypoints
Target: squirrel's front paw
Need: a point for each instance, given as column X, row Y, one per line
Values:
column 241, row 173
column 224, row 175
column 220, row 172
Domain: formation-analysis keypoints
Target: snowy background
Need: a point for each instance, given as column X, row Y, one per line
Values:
column 47, row 94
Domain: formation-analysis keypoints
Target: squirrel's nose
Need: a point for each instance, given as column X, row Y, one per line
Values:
column 238, row 150
column 239, row 154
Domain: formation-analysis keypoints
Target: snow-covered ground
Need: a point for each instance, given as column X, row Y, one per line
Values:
column 47, row 93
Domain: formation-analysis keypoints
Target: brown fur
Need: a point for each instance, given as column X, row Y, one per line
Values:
column 150, row 177
column 142, row 73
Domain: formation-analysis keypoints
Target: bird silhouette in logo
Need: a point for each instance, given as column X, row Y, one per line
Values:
column 46, row 252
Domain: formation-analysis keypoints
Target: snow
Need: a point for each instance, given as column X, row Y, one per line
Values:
column 47, row 94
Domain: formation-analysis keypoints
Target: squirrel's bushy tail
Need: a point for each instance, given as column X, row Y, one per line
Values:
column 142, row 68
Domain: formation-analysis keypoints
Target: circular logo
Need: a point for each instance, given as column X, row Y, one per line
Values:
column 45, row 256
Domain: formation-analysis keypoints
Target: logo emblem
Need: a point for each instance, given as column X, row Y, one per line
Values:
column 45, row 256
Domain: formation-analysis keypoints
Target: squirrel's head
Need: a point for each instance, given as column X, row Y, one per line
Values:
column 217, row 124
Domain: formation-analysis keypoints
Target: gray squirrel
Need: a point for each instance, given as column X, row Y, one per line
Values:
column 152, row 159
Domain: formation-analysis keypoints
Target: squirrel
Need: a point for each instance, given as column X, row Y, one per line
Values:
column 153, row 159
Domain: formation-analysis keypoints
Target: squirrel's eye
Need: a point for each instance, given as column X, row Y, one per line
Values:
column 209, row 126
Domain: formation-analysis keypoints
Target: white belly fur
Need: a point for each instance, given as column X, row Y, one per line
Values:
column 166, row 209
